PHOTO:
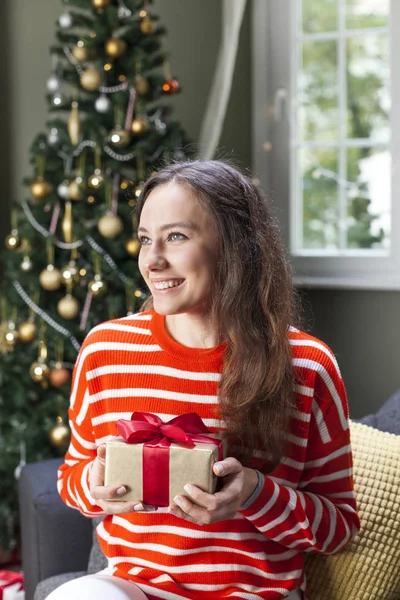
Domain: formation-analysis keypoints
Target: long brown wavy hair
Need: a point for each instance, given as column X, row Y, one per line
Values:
column 253, row 305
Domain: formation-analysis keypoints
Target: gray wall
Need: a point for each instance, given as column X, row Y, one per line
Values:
column 362, row 328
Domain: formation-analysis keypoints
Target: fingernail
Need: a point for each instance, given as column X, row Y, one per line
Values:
column 121, row 490
column 138, row 506
column 178, row 500
column 188, row 489
column 218, row 469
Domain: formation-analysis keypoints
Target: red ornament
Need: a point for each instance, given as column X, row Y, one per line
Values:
column 59, row 376
column 170, row 86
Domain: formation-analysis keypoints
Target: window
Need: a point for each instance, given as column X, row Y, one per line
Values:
column 325, row 135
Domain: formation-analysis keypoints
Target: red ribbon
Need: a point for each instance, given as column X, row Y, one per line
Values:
column 148, row 429
column 8, row 578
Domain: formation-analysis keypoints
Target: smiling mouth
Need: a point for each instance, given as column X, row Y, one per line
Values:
column 165, row 285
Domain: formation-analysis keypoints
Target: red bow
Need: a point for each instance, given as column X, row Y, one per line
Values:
column 146, row 427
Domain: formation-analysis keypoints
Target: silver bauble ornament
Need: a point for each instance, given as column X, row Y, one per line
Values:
column 53, row 137
column 160, row 126
column 26, row 264
column 102, row 104
column 124, row 12
column 53, row 83
column 62, row 189
column 57, row 99
column 65, row 20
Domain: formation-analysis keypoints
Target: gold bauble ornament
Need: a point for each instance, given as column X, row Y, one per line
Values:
column 97, row 287
column 140, row 125
column 75, row 189
column 115, row 47
column 12, row 240
column 74, row 124
column 119, row 137
column 59, row 376
column 126, row 184
column 27, row 331
column 40, row 188
column 91, row 79
column 80, row 53
column 66, row 223
column 100, row 3
column 141, row 85
column 59, row 435
column 68, row 307
column 132, row 246
column 70, row 273
column 110, row 225
column 147, row 26
column 39, row 371
column 135, row 195
column 50, row 278
column 96, row 180
column 10, row 334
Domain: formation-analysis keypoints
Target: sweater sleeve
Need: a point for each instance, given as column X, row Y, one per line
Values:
column 320, row 515
column 73, row 474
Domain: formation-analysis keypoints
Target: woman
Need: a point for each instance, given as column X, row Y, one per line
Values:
column 216, row 339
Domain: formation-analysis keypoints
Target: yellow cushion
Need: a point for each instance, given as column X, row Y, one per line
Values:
column 369, row 567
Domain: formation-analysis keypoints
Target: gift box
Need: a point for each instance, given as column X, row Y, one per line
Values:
column 11, row 585
column 155, row 460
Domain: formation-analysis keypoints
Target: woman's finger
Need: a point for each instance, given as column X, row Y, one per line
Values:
column 116, row 508
column 109, row 492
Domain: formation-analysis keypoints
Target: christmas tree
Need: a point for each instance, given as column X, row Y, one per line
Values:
column 71, row 257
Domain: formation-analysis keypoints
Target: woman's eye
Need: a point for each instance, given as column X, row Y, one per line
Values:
column 175, row 236
column 143, row 240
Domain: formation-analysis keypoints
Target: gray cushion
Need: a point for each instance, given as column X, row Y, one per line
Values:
column 97, row 560
column 388, row 416
column 45, row 587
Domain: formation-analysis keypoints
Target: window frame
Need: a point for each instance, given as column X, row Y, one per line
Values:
column 273, row 55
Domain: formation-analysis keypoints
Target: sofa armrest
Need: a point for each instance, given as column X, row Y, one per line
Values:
column 54, row 538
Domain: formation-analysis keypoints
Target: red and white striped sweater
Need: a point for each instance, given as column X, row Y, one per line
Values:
column 307, row 504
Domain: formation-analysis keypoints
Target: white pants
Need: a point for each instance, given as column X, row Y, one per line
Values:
column 102, row 586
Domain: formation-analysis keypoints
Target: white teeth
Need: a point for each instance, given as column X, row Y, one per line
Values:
column 163, row 285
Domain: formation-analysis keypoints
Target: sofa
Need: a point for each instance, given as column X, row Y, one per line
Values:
column 59, row 544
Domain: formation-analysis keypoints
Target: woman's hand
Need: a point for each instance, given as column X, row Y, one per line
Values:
column 238, row 484
column 107, row 496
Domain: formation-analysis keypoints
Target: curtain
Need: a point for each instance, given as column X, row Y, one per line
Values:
column 232, row 17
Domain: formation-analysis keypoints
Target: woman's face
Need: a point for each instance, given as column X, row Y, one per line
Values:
column 178, row 250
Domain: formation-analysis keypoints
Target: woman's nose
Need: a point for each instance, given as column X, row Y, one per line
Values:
column 155, row 258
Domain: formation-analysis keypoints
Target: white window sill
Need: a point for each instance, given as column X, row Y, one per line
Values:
column 348, row 283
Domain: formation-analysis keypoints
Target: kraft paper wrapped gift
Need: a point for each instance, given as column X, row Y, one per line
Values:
column 155, row 460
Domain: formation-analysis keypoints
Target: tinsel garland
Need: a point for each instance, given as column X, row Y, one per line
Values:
column 43, row 315
column 69, row 246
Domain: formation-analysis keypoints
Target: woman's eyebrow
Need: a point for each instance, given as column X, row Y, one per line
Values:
column 177, row 224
